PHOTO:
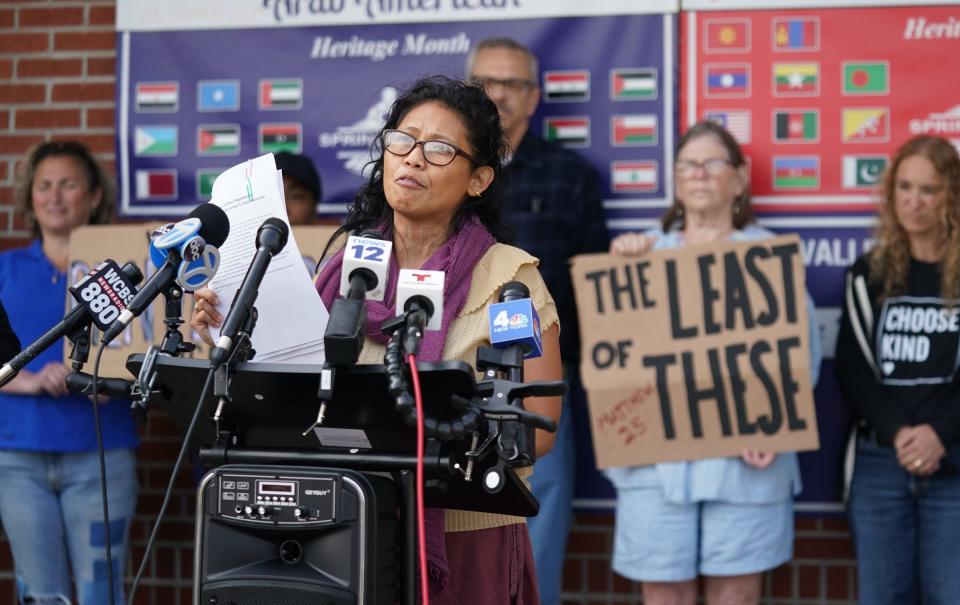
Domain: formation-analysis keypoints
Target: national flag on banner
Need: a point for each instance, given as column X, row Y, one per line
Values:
column 281, row 94
column 737, row 123
column 865, row 124
column 863, row 171
column 157, row 96
column 155, row 140
column 637, row 177
column 866, row 78
column 633, row 130
column 572, row 131
column 726, row 35
column 218, row 139
column 567, row 85
column 796, row 172
column 727, row 80
column 275, row 138
column 156, row 184
column 218, row 95
column 205, row 179
column 796, row 33
column 628, row 84
column 796, row 126
column 796, row 79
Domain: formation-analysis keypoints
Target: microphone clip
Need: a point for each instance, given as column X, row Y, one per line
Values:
column 173, row 343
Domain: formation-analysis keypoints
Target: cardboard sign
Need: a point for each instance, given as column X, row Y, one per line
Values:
column 696, row 352
column 130, row 243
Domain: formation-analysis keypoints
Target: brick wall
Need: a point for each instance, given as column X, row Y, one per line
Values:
column 57, row 73
column 57, row 66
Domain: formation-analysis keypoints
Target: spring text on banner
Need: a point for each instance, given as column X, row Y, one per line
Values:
column 696, row 352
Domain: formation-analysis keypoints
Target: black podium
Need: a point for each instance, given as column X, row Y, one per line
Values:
column 273, row 404
column 331, row 490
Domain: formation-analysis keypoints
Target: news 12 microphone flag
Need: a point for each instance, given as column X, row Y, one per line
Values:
column 199, row 92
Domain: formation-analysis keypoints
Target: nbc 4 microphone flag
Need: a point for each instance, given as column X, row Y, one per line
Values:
column 218, row 139
column 275, row 138
column 281, row 94
column 866, row 78
column 633, row 130
column 158, row 184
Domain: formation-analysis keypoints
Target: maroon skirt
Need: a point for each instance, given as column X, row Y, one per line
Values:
column 490, row 567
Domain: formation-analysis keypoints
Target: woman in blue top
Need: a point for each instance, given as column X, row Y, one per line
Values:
column 728, row 519
column 50, row 503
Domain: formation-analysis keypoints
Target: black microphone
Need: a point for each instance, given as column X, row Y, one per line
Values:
column 76, row 319
column 214, row 227
column 271, row 238
column 366, row 263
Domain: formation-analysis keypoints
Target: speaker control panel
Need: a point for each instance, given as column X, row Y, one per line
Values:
column 277, row 499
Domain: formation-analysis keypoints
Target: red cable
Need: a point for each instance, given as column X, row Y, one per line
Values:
column 421, row 534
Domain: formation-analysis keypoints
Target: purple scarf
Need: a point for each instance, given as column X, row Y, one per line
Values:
column 457, row 258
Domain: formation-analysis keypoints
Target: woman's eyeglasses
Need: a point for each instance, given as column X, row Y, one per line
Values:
column 713, row 167
column 438, row 153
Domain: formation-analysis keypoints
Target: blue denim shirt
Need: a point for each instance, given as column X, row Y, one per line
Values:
column 725, row 479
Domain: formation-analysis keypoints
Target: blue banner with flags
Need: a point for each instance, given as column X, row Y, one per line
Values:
column 192, row 103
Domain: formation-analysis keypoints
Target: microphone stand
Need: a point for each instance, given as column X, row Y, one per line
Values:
column 241, row 351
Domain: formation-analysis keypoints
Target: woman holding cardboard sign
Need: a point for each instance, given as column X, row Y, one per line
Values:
column 728, row 519
column 897, row 356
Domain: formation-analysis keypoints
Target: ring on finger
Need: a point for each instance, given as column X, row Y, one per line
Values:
column 917, row 463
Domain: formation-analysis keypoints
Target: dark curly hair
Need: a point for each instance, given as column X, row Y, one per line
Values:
column 482, row 121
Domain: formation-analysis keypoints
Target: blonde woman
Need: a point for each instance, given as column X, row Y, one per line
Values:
column 897, row 357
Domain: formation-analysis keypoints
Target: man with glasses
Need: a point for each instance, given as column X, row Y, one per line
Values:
column 553, row 201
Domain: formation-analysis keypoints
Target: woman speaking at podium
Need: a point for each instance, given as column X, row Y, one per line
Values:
column 434, row 191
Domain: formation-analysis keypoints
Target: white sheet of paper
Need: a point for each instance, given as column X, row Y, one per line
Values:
column 291, row 315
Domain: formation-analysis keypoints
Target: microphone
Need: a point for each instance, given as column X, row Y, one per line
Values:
column 363, row 276
column 171, row 248
column 78, row 318
column 420, row 294
column 514, row 321
column 271, row 238
column 195, row 274
column 366, row 260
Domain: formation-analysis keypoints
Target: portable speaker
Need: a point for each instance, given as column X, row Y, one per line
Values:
column 276, row 535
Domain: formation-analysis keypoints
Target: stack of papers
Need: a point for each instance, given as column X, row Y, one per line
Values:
column 291, row 316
